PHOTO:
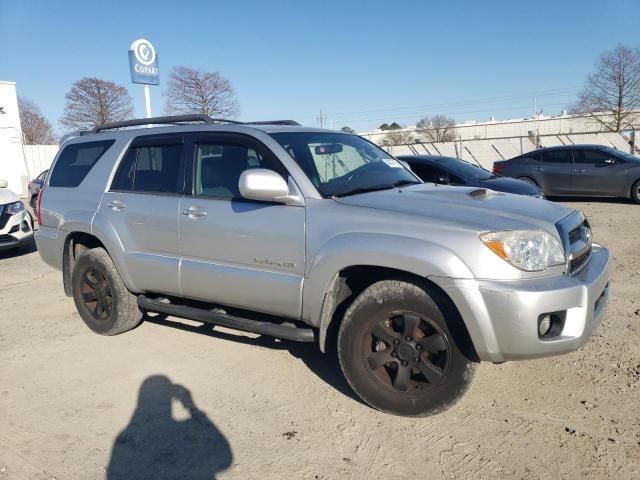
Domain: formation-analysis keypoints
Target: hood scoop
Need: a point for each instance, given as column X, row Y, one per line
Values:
column 482, row 193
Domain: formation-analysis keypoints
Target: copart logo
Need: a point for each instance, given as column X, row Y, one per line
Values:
column 144, row 51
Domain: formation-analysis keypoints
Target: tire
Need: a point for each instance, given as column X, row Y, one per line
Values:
column 115, row 309
column 385, row 369
column 635, row 192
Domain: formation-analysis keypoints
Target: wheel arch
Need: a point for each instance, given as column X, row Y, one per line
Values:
column 349, row 282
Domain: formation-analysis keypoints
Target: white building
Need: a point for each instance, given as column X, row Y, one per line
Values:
column 13, row 167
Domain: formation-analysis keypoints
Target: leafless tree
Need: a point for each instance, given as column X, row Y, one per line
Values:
column 398, row 137
column 613, row 88
column 438, row 128
column 92, row 101
column 36, row 129
column 194, row 91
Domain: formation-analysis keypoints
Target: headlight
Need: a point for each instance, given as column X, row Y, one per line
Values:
column 15, row 207
column 529, row 250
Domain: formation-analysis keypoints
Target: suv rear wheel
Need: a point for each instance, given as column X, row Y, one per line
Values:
column 102, row 300
column 398, row 354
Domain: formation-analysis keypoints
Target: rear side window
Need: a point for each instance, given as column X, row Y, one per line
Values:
column 76, row 161
column 149, row 169
column 557, row 156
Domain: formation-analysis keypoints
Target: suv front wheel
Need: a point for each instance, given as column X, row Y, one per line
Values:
column 101, row 298
column 397, row 351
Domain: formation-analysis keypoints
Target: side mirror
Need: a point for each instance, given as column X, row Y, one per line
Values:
column 3, row 183
column 443, row 180
column 264, row 185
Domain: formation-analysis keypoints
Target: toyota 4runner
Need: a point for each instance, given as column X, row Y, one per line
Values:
column 317, row 236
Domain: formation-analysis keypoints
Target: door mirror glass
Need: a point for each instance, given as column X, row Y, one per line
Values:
column 263, row 185
column 3, row 183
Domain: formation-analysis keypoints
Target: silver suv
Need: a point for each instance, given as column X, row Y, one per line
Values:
column 318, row 236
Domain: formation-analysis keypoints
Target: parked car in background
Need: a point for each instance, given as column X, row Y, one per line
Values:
column 453, row 171
column 16, row 226
column 34, row 189
column 577, row 170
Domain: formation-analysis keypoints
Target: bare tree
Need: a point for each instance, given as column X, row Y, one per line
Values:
column 194, row 91
column 36, row 129
column 92, row 101
column 613, row 88
column 438, row 128
column 347, row 130
column 398, row 137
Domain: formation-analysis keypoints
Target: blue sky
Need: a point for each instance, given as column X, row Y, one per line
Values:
column 362, row 63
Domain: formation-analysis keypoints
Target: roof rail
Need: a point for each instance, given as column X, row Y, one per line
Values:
column 177, row 119
column 171, row 120
column 274, row 122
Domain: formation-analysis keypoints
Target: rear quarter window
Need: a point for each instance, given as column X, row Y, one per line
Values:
column 76, row 161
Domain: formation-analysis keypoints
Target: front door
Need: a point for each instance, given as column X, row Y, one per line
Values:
column 142, row 207
column 238, row 252
column 597, row 172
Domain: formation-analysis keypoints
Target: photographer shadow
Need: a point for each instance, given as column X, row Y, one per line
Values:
column 156, row 446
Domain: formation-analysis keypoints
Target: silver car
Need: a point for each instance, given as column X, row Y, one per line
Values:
column 318, row 236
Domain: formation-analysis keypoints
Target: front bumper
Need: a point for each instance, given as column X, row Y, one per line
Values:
column 17, row 231
column 502, row 316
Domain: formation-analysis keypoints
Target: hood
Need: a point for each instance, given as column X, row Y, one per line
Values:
column 508, row 185
column 476, row 208
column 7, row 196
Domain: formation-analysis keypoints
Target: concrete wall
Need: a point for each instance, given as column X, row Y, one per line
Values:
column 12, row 163
column 39, row 158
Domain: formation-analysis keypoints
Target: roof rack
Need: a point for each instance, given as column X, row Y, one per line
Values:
column 178, row 119
column 274, row 122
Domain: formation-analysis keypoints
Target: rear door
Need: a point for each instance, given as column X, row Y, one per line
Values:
column 238, row 252
column 597, row 172
column 553, row 172
column 142, row 206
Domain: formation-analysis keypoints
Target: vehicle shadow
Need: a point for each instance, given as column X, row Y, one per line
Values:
column 156, row 446
column 325, row 365
column 26, row 249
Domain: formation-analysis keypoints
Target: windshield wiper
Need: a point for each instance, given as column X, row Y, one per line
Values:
column 376, row 188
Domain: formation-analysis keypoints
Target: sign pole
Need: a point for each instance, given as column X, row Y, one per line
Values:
column 147, row 100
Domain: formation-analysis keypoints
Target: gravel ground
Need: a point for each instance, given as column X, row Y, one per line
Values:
column 180, row 401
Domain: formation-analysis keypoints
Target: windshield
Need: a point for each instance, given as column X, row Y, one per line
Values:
column 466, row 170
column 341, row 164
column 623, row 155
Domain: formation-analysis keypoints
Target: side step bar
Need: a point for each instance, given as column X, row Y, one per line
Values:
column 287, row 332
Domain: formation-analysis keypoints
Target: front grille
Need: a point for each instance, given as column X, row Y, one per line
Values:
column 576, row 238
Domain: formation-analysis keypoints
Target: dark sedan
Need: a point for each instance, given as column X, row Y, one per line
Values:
column 34, row 188
column 577, row 170
column 453, row 171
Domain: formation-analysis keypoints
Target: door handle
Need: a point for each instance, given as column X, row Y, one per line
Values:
column 116, row 205
column 579, row 170
column 194, row 212
column 538, row 169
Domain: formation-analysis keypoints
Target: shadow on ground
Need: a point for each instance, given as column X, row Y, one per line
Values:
column 156, row 446
column 325, row 365
column 618, row 200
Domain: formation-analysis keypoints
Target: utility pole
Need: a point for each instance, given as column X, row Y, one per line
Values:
column 321, row 118
column 535, row 106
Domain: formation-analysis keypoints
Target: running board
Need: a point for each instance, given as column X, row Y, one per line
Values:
column 288, row 332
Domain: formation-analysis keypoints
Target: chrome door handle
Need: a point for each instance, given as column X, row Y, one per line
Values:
column 579, row 170
column 194, row 212
column 116, row 205
column 538, row 169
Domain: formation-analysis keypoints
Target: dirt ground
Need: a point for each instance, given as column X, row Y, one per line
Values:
column 181, row 401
